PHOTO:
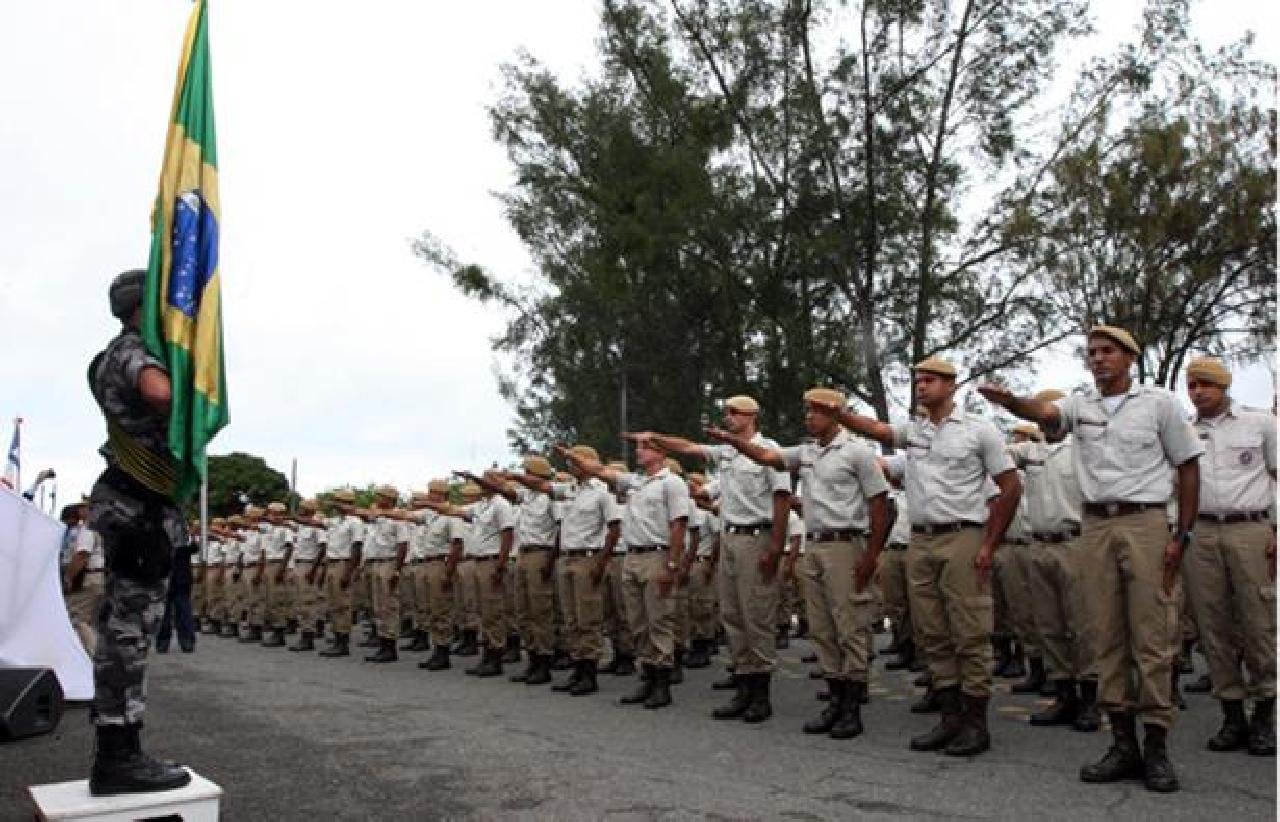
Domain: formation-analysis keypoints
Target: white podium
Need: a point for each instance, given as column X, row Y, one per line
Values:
column 197, row 802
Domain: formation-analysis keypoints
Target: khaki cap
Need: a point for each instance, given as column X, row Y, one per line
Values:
column 277, row 508
column 345, row 495
column 1030, row 429
column 418, row 497
column 828, row 395
column 1050, row 395
column 235, row 519
column 308, row 505
column 1118, row 336
column 386, row 492
column 619, row 465
column 1211, row 370
column 253, row 511
column 537, row 465
column 438, row 486
column 585, row 452
column 470, row 489
column 675, row 467
column 936, row 365
column 743, row 404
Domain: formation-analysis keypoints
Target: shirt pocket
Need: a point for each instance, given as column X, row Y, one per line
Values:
column 1137, row 442
column 1238, row 452
column 953, row 458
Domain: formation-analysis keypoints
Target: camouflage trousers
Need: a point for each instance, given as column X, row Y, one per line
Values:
column 128, row 615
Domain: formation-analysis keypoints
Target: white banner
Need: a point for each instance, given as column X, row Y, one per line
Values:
column 35, row 630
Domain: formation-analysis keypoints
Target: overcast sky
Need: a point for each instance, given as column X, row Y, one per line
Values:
column 344, row 129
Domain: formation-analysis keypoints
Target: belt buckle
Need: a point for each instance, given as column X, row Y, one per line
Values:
column 1112, row 508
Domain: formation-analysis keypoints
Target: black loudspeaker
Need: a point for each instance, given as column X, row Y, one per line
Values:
column 30, row 702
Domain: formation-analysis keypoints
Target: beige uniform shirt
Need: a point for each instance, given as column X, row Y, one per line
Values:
column 251, row 546
column 1125, row 456
column 489, row 518
column 948, row 467
column 383, row 536
column 537, row 520
column 1237, row 473
column 232, row 551
column 653, row 503
column 585, row 514
column 837, row 480
column 275, row 541
column 213, row 552
column 307, row 541
column 708, row 533
column 746, row 488
column 1051, row 491
column 434, row 536
column 344, row 532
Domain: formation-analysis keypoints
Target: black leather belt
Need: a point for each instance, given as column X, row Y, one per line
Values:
column 750, row 530
column 944, row 528
column 534, row 548
column 1238, row 516
column 1055, row 538
column 575, row 553
column 845, row 535
column 486, row 558
column 645, row 549
column 1119, row 509
column 896, row 546
column 1015, row 542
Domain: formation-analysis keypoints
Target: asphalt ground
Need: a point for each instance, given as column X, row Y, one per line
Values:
column 294, row 736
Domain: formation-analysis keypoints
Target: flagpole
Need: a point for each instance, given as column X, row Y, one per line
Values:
column 204, row 512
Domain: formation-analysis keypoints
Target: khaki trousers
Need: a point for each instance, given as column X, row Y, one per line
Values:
column 838, row 617
column 339, row 599
column 790, row 600
column 953, row 613
column 415, row 601
column 617, row 623
column 82, row 607
column 535, row 602
column 214, row 592
column 308, row 598
column 1235, row 604
column 198, row 597
column 1012, row 574
column 894, row 587
column 232, row 596
column 1058, row 607
column 1132, row 622
column 439, row 614
column 702, row 600
column 492, row 599
column 582, row 605
column 254, row 596
column 467, row 599
column 386, row 597
column 362, row 589
column 652, row 616
column 748, row 604
column 277, row 596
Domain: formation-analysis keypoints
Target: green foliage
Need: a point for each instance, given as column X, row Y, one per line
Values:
column 238, row 474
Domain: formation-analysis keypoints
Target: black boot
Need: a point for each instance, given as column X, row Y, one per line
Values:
column 586, row 683
column 905, row 651
column 924, row 680
column 1035, row 678
column 1157, row 771
column 1016, row 667
column 699, row 655
column 275, row 640
column 252, row 633
column 802, row 628
column 455, row 644
column 643, row 690
column 511, row 653
column 1122, row 760
column 930, row 703
column 560, row 660
column 730, row 681
column 782, row 638
column 760, row 708
column 849, row 724
column 660, row 693
column 1184, row 664
column 438, row 661
column 306, row 642
column 215, row 627
column 341, row 646
column 1234, row 733
column 1065, row 707
column 523, row 676
column 371, row 639
column 386, row 652
column 948, row 727
column 231, row 630
column 737, row 706
column 120, row 766
column 421, row 642
column 1262, row 728
column 1202, row 685
column 541, row 673
column 1003, row 646
column 973, row 738
column 578, row 668
column 468, row 646
column 825, row 721
column 677, row 671
column 1088, row 719
column 626, row 665
column 491, row 663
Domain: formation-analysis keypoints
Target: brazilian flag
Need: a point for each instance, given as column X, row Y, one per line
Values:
column 182, row 303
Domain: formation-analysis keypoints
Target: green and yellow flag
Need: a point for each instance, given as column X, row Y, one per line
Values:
column 182, row 304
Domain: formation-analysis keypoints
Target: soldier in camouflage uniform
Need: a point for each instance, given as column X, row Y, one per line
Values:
column 132, row 507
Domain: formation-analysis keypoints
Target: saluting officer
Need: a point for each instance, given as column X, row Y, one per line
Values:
column 1231, row 565
column 344, row 544
column 950, row 456
column 386, row 546
column 1127, row 437
column 308, row 574
column 537, row 533
column 277, row 588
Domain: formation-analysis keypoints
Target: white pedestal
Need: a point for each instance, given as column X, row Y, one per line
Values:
column 197, row 802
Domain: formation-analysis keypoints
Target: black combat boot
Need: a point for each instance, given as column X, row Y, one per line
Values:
column 1016, row 667
column 660, row 693
column 930, row 703
column 782, row 638
column 341, row 646
column 677, row 672
column 761, row 708
column 1035, row 678
column 1003, row 647
column 371, row 638
column 231, row 630
column 973, row 738
column 541, row 673
column 626, row 665
column 560, row 660
column 698, row 655
column 523, row 676
column 1234, row 733
column 511, row 652
column 1184, row 664
column 579, row 668
column 252, row 633
column 1157, row 771
column 439, row 659
column 905, row 651
column 1122, row 760
column 802, row 628
column 120, row 766
column 386, row 652
column 468, row 646
column 644, row 689
column 490, row 664
column 849, row 723
column 825, row 721
column 1065, row 706
column 421, row 642
column 948, row 727
column 306, row 642
column 1202, row 685
column 1262, row 728
column 737, row 706
column 215, row 627
column 924, row 680
column 275, row 639
column 586, row 683
column 1088, row 719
